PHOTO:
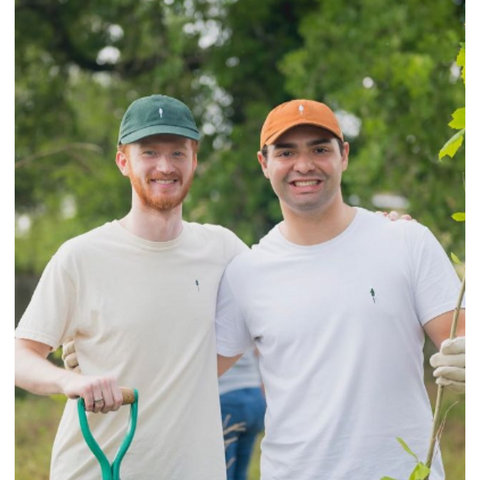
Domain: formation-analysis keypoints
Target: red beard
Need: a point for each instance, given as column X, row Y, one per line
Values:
column 160, row 201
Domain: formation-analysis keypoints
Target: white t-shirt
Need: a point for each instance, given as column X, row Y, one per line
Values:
column 143, row 311
column 339, row 330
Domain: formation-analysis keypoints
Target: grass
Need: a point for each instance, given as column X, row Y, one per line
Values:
column 36, row 420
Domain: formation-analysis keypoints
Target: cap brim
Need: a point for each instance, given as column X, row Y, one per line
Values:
column 271, row 140
column 158, row 129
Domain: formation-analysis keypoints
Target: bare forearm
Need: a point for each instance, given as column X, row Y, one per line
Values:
column 438, row 329
column 35, row 373
column 225, row 363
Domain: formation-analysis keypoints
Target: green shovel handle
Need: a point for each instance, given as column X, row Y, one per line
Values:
column 109, row 471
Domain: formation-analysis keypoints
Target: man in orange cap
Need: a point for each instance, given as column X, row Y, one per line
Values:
column 337, row 300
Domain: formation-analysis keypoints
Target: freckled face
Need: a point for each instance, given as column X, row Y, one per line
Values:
column 160, row 168
column 305, row 168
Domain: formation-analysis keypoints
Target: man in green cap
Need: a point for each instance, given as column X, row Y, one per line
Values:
column 138, row 296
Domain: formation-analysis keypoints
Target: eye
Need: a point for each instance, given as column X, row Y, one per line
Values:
column 178, row 153
column 149, row 153
column 320, row 150
column 285, row 154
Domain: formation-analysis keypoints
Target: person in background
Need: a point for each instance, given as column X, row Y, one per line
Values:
column 242, row 403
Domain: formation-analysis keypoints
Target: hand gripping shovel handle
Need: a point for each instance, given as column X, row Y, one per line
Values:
column 111, row 471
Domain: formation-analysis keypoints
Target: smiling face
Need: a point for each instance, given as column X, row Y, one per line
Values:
column 305, row 168
column 160, row 168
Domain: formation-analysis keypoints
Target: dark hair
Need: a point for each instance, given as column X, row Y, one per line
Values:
column 341, row 146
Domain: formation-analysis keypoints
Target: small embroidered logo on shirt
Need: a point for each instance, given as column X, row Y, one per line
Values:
column 160, row 111
column 372, row 293
column 197, row 284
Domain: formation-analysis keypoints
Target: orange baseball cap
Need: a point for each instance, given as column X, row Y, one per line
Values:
column 298, row 112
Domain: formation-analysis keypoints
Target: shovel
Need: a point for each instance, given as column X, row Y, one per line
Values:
column 111, row 471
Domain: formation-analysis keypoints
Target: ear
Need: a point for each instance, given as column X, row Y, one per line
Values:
column 263, row 162
column 122, row 163
column 195, row 161
column 346, row 151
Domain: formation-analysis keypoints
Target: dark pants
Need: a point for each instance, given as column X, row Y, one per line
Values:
column 246, row 406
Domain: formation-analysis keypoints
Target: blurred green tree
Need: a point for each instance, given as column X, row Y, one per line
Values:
column 245, row 66
column 387, row 63
column 79, row 65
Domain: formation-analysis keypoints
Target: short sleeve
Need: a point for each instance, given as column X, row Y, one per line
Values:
column 437, row 285
column 49, row 317
column 233, row 337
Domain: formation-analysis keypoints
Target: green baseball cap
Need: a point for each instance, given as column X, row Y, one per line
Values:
column 157, row 114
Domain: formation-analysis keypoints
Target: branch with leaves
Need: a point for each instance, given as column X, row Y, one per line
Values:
column 421, row 470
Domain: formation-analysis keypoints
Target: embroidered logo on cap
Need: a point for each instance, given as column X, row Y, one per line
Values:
column 301, row 108
column 160, row 111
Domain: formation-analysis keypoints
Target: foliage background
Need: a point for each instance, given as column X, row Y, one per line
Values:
column 386, row 67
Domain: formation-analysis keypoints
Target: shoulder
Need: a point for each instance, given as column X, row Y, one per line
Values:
column 213, row 233
column 81, row 244
column 407, row 230
column 220, row 238
column 210, row 231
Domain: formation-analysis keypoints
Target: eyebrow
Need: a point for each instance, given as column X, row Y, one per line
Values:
column 311, row 143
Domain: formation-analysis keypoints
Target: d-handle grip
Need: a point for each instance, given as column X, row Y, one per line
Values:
column 128, row 395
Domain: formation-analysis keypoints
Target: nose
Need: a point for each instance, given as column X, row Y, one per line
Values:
column 304, row 163
column 164, row 165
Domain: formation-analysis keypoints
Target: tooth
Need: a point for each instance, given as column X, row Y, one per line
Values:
column 306, row 184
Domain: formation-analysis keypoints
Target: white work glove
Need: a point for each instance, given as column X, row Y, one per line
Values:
column 69, row 356
column 449, row 364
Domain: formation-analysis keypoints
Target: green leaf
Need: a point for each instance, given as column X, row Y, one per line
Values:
column 459, row 216
column 458, row 121
column 455, row 258
column 420, row 472
column 451, row 147
column 387, row 478
column 406, row 448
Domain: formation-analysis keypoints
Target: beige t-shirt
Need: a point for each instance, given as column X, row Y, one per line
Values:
column 144, row 312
